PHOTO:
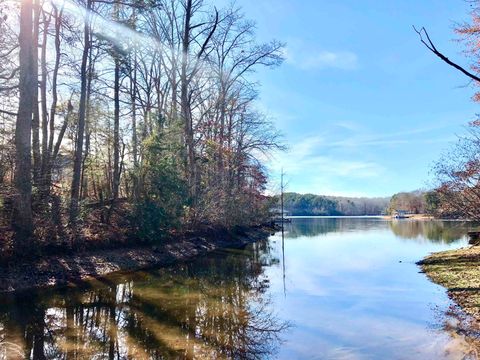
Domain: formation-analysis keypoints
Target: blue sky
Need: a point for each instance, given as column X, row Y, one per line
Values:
column 365, row 109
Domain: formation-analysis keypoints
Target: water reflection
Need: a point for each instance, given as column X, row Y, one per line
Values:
column 349, row 286
column 428, row 230
column 213, row 308
column 312, row 227
column 434, row 231
column 464, row 333
column 355, row 291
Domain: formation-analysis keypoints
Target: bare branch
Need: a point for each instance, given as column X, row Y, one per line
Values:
column 431, row 46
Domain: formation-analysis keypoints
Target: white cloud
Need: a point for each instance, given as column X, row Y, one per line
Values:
column 344, row 159
column 345, row 60
column 363, row 139
column 304, row 158
column 307, row 57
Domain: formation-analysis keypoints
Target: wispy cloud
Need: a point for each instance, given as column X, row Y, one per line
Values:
column 346, row 158
column 345, row 60
column 306, row 157
column 307, row 57
column 361, row 138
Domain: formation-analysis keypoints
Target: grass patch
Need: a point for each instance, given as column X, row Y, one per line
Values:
column 459, row 272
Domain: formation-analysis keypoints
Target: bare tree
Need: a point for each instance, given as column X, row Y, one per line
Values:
column 458, row 178
column 82, row 113
column 23, row 219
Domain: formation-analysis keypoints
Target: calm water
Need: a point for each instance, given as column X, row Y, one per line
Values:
column 343, row 288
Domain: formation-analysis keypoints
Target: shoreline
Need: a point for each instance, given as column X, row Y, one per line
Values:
column 422, row 217
column 73, row 270
column 458, row 271
column 419, row 217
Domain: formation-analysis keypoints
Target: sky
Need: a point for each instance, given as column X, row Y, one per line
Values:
column 365, row 109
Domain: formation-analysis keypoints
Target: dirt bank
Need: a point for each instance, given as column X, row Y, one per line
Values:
column 459, row 272
column 68, row 270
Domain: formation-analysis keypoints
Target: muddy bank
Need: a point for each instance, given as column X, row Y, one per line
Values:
column 70, row 270
column 459, row 272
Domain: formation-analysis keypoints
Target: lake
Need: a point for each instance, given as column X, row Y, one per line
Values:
column 334, row 288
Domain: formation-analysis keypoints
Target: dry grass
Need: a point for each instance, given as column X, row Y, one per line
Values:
column 459, row 272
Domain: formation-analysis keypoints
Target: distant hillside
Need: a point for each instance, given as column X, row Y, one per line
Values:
column 321, row 205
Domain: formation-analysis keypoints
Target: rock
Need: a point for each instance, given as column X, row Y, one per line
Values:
column 474, row 238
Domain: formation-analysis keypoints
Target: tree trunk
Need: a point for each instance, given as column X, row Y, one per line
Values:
column 36, row 113
column 22, row 218
column 47, row 171
column 116, row 124
column 43, row 97
column 82, row 110
column 116, row 131
column 186, row 116
column 133, row 93
column 83, row 178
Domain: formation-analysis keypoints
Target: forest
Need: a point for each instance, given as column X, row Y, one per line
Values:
column 129, row 120
column 318, row 205
column 413, row 202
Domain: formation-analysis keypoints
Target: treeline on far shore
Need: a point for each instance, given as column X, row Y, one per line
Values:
column 322, row 205
column 413, row 202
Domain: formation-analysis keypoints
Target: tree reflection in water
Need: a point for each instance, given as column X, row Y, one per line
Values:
column 434, row 231
column 312, row 227
column 418, row 230
column 213, row 308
